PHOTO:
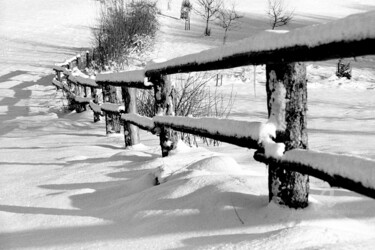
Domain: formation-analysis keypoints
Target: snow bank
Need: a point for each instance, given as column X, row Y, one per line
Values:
column 216, row 164
column 352, row 28
column 352, row 167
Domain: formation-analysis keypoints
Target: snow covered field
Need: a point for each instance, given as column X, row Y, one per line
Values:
column 64, row 184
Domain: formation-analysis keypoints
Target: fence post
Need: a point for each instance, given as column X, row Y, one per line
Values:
column 112, row 120
column 95, row 97
column 131, row 132
column 87, row 59
column 164, row 105
column 287, row 105
column 78, row 61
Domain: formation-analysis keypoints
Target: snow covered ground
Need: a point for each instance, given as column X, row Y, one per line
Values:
column 64, row 184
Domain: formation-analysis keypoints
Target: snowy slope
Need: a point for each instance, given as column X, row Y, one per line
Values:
column 65, row 185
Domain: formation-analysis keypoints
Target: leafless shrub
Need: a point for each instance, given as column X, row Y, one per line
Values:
column 278, row 14
column 208, row 10
column 123, row 27
column 192, row 97
column 228, row 20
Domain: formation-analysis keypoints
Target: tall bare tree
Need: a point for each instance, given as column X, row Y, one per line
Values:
column 208, row 10
column 228, row 20
column 278, row 14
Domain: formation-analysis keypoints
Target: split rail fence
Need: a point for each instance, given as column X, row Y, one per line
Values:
column 281, row 142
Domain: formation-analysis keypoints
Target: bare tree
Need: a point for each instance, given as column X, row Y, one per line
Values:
column 228, row 20
column 278, row 13
column 208, row 10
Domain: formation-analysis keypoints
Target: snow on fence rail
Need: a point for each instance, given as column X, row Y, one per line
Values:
column 347, row 37
column 286, row 76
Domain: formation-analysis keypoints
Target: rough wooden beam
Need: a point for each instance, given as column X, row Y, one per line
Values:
column 333, row 180
column 142, row 122
column 86, row 82
column 130, row 79
column 239, row 140
column 322, row 52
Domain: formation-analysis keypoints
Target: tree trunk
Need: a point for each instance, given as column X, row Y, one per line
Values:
column 131, row 132
column 164, row 105
column 287, row 187
column 207, row 32
column 225, row 36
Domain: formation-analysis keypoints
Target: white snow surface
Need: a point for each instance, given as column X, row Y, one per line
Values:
column 66, row 185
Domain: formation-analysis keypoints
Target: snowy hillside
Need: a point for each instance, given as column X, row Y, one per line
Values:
column 65, row 185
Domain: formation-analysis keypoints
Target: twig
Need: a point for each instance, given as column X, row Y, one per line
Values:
column 235, row 211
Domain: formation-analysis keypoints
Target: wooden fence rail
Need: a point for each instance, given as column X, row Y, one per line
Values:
column 281, row 142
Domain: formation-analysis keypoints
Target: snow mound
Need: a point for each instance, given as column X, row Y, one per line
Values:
column 216, row 164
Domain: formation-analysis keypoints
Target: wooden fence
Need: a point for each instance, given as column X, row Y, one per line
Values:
column 281, row 142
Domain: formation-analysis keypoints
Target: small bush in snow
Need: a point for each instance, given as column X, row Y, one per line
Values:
column 125, row 31
column 344, row 69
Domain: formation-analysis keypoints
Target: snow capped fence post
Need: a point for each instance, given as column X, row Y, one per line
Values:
column 70, row 95
column 131, row 132
column 164, row 106
column 95, row 97
column 287, row 104
column 79, row 61
column 112, row 120
column 78, row 92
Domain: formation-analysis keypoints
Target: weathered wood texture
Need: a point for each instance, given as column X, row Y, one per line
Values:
column 246, row 142
column 164, row 100
column 287, row 104
column 334, row 180
column 131, row 132
column 113, row 124
column 95, row 97
column 137, row 85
